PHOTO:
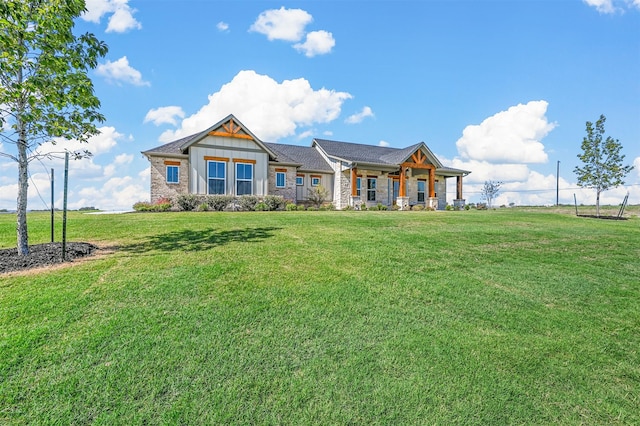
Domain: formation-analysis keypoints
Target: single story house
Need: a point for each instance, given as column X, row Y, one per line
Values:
column 228, row 159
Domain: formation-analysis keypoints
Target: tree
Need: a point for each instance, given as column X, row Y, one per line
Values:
column 603, row 168
column 490, row 191
column 317, row 195
column 45, row 93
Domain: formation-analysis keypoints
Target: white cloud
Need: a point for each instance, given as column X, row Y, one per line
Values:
column 117, row 193
column 164, row 115
column 222, row 26
column 636, row 162
column 120, row 71
column 271, row 110
column 383, row 143
column 317, row 43
column 305, row 135
column 121, row 19
column 282, row 24
column 602, row 6
column 358, row 117
column 512, row 136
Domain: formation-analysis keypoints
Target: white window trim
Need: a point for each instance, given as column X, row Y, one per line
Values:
column 284, row 180
column 374, row 190
column 316, row 178
column 301, row 182
column 217, row 178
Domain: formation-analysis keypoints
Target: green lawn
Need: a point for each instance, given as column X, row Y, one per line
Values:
column 479, row 317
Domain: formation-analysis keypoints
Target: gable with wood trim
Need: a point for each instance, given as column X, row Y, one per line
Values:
column 228, row 159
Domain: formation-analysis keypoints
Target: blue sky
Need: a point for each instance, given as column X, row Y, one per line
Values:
column 501, row 88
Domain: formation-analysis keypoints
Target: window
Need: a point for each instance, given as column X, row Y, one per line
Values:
column 173, row 174
column 358, row 186
column 244, row 178
column 371, row 189
column 216, row 176
column 281, row 180
column 300, row 180
column 421, row 186
column 315, row 180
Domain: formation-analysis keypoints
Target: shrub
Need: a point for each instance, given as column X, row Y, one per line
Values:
column 261, row 207
column 273, row 202
column 203, row 207
column 467, row 207
column 448, row 208
column 219, row 202
column 291, row 207
column 188, row 202
column 161, row 205
column 347, row 208
column 312, row 209
column 301, row 207
column 248, row 202
column 418, row 207
column 395, row 207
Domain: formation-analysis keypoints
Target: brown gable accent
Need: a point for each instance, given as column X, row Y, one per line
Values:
column 171, row 163
column 230, row 129
column 222, row 159
column 243, row 160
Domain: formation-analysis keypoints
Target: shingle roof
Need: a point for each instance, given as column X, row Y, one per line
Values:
column 308, row 157
column 171, row 147
column 372, row 154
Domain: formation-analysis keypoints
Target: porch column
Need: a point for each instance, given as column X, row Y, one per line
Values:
column 458, row 203
column 403, row 201
column 432, row 182
column 354, row 180
column 354, row 199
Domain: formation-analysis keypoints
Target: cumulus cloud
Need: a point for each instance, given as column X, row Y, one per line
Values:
column 164, row 115
column 383, row 143
column 511, row 136
column 222, row 26
column 121, row 72
column 117, row 193
column 289, row 25
column 317, row 43
column 282, row 24
column 358, row 117
column 121, row 19
column 613, row 6
column 636, row 166
column 271, row 110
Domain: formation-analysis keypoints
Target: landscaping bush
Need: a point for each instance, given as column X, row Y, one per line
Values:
column 248, row 202
column 218, row 202
column 203, row 207
column 261, row 207
column 301, row 207
column 188, row 202
column 291, row 207
column 274, row 202
column 418, row 207
column 161, row 205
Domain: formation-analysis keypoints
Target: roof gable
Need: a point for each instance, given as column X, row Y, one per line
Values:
column 229, row 127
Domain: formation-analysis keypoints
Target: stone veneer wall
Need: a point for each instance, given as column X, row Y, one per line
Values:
column 289, row 191
column 159, row 186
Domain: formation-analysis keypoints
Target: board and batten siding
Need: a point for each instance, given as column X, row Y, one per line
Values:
column 228, row 148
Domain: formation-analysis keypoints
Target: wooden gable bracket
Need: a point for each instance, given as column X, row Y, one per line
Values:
column 231, row 130
column 418, row 157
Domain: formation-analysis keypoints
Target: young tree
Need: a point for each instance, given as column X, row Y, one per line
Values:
column 603, row 168
column 317, row 195
column 45, row 92
column 490, row 191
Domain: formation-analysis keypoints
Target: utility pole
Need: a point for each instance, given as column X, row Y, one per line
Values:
column 558, row 184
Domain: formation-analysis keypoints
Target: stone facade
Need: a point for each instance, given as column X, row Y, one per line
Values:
column 159, row 186
column 289, row 190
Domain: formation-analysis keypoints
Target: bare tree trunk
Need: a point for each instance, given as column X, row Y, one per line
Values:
column 23, row 186
column 598, row 202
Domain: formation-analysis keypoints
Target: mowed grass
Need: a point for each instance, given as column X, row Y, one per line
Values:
column 479, row 317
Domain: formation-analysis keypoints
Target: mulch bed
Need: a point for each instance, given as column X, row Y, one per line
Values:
column 42, row 255
column 602, row 217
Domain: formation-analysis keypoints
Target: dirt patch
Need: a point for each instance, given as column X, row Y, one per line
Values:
column 43, row 255
column 602, row 217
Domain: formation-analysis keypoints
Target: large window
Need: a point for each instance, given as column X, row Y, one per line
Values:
column 358, row 186
column 281, row 180
column 216, row 177
column 173, row 174
column 371, row 189
column 244, row 178
column 421, row 188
